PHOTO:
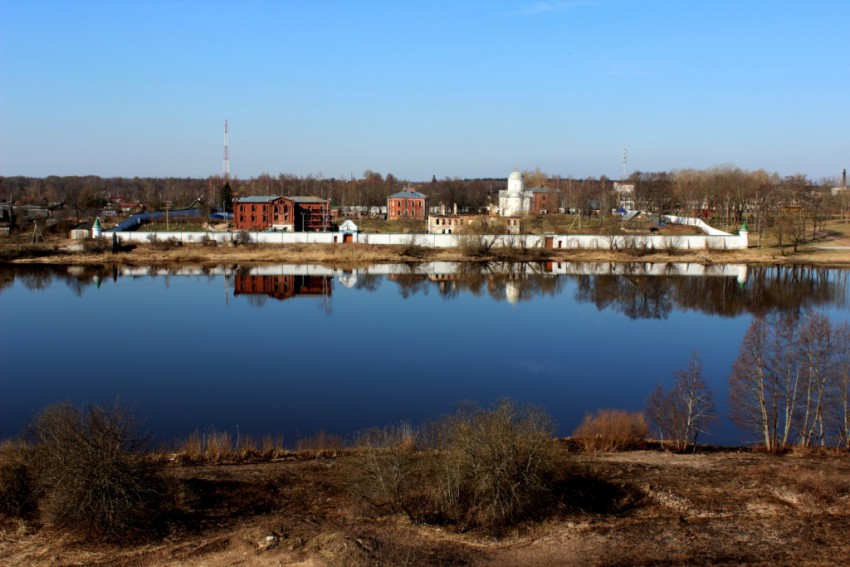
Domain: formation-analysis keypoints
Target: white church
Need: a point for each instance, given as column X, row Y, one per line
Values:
column 514, row 201
column 517, row 201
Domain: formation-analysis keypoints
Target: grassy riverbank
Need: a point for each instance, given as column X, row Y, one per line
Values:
column 830, row 251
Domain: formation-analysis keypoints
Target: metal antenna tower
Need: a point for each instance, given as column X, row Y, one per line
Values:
column 625, row 155
column 225, row 163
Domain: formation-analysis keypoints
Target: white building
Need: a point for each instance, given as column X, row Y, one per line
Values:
column 625, row 195
column 513, row 201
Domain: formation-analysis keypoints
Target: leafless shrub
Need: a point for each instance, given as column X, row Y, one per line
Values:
column 478, row 468
column 207, row 240
column 673, row 243
column 158, row 243
column 242, row 238
column 90, row 465
column 476, row 245
column 496, row 465
column 391, row 473
column 17, row 485
column 96, row 245
column 611, row 430
column 411, row 247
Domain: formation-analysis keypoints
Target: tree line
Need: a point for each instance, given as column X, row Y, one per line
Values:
column 795, row 206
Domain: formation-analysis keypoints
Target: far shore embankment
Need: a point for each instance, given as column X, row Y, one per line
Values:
column 70, row 252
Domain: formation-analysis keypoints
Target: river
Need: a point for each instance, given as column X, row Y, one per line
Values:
column 295, row 350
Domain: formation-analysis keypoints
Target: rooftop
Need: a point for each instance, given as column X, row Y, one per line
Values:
column 408, row 194
column 258, row 199
column 307, row 199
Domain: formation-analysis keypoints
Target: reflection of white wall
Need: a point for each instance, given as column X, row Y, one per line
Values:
column 738, row 271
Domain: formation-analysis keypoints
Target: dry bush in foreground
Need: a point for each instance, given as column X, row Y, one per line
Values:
column 391, row 472
column 497, row 464
column 17, row 486
column 90, row 466
column 611, row 430
column 479, row 468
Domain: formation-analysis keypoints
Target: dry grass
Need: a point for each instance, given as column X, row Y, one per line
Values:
column 217, row 447
column 611, row 430
column 727, row 507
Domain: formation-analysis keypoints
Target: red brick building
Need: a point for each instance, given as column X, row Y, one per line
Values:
column 544, row 199
column 312, row 213
column 282, row 213
column 407, row 204
column 264, row 213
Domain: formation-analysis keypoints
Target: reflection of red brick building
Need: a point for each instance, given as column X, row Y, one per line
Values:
column 407, row 204
column 264, row 213
column 282, row 213
column 282, row 287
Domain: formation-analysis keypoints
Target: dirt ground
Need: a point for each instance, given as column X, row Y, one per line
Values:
column 726, row 507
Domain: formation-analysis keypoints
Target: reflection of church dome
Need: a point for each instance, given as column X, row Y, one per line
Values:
column 348, row 279
column 512, row 292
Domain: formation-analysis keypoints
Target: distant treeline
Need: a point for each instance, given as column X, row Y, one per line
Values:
column 727, row 194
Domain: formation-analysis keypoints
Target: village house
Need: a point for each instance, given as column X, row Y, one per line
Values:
column 407, row 204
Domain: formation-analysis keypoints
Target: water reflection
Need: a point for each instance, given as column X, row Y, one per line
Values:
column 282, row 287
column 638, row 290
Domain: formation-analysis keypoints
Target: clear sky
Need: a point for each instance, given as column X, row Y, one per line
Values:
column 446, row 88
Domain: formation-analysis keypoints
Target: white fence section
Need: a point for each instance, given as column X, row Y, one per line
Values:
column 690, row 221
column 713, row 239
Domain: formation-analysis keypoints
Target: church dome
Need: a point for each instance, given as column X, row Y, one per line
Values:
column 515, row 185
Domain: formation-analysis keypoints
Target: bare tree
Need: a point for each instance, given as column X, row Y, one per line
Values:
column 753, row 389
column 790, row 381
column 842, row 383
column 684, row 412
column 814, row 350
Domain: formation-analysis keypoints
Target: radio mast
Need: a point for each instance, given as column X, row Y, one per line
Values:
column 225, row 163
column 625, row 154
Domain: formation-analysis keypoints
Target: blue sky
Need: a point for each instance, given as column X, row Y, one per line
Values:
column 445, row 88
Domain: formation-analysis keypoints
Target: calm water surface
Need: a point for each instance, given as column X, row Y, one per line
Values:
column 293, row 350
